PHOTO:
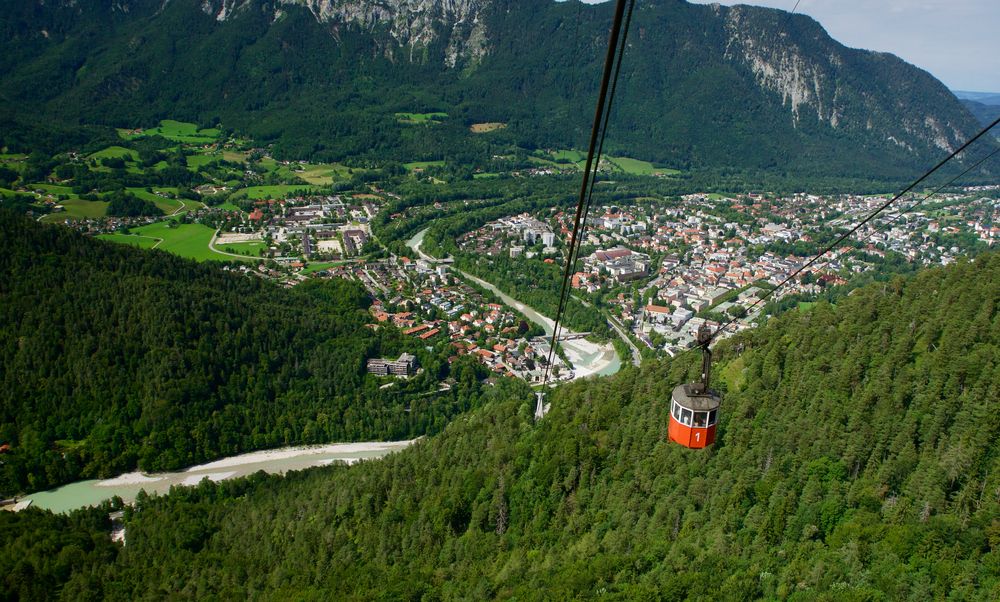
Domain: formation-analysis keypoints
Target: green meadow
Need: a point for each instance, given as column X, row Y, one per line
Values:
column 167, row 205
column 319, row 266
column 418, row 118
column 639, row 168
column 143, row 242
column 275, row 191
column 570, row 158
column 234, row 156
column 115, row 152
column 422, row 165
column 201, row 159
column 186, row 240
column 77, row 209
column 250, row 249
column 228, row 206
column 177, row 131
column 323, row 174
column 53, row 189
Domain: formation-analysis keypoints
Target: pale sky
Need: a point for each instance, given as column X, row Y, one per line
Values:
column 957, row 41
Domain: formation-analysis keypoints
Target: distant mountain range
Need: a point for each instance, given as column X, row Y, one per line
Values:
column 985, row 106
column 702, row 86
column 986, row 98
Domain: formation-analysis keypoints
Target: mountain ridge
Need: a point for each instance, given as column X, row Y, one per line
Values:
column 701, row 85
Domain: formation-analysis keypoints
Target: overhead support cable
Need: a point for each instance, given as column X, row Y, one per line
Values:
column 619, row 31
column 869, row 218
column 893, row 219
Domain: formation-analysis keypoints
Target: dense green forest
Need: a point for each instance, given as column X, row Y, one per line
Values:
column 330, row 89
column 857, row 459
column 113, row 357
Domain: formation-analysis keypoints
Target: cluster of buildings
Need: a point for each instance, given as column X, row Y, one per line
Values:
column 520, row 235
column 710, row 257
column 428, row 304
column 611, row 266
column 316, row 227
column 935, row 232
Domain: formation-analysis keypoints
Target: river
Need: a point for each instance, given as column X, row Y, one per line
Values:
column 587, row 358
column 275, row 461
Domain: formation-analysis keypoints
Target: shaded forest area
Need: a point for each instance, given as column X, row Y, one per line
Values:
column 857, row 460
column 113, row 358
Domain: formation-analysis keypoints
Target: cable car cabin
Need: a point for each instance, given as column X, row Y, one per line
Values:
column 693, row 416
column 694, row 408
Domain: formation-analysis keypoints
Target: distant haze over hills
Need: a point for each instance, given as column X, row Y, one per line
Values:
column 701, row 86
column 985, row 106
column 986, row 98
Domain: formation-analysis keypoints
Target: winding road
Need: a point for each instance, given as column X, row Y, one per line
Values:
column 587, row 358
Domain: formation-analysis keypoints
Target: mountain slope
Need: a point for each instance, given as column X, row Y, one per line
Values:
column 858, row 459
column 702, row 85
column 113, row 357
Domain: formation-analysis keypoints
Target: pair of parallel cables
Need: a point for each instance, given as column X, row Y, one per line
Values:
column 602, row 113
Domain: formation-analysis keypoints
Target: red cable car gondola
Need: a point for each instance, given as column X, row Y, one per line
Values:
column 694, row 408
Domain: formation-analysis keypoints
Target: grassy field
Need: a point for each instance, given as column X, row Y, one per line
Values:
column 491, row 126
column 177, row 131
column 318, row 266
column 77, row 209
column 250, row 249
column 12, row 162
column 570, row 158
column 634, row 166
column 114, row 152
column 276, row 191
column 234, row 156
column 228, row 206
column 200, row 160
column 323, row 174
column 421, row 117
column 316, row 174
column 53, row 189
column 186, row 240
column 166, row 205
column 422, row 165
column 143, row 242
column 545, row 162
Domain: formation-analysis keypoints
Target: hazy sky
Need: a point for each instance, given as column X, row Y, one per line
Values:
column 958, row 41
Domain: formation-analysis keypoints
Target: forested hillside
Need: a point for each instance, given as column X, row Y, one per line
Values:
column 701, row 86
column 858, row 459
column 113, row 357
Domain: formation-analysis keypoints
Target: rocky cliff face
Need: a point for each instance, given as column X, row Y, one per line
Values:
column 794, row 58
column 701, row 85
column 413, row 25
